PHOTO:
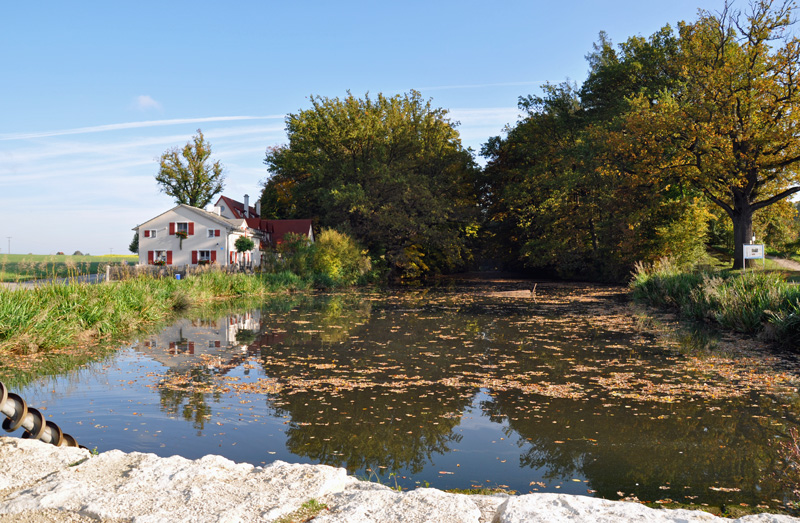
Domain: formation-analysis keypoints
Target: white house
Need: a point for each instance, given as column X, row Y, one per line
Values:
column 186, row 235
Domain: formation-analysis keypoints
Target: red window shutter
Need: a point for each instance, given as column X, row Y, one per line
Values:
column 172, row 227
column 146, row 233
column 191, row 229
column 169, row 257
column 150, row 257
column 216, row 343
column 194, row 257
column 216, row 232
column 191, row 347
column 233, row 258
column 213, row 256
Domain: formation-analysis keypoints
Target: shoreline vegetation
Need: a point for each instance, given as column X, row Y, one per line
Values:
column 762, row 304
column 56, row 315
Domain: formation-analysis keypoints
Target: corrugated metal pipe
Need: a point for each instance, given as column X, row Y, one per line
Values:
column 19, row 415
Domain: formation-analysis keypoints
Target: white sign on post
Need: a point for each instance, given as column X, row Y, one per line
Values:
column 753, row 252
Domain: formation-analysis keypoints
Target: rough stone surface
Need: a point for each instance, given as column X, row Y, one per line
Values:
column 40, row 482
column 557, row 508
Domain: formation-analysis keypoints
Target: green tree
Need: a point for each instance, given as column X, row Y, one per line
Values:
column 188, row 175
column 134, row 246
column 390, row 172
column 244, row 244
column 731, row 127
column 557, row 195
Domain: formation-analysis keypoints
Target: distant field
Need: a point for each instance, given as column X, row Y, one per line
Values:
column 23, row 267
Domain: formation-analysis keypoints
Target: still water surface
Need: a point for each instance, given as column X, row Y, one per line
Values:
column 489, row 385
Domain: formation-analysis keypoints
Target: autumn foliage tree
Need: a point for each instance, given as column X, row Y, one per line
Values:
column 730, row 129
column 555, row 194
column 629, row 166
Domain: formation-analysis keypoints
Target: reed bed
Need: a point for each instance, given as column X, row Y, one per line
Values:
column 761, row 303
column 57, row 315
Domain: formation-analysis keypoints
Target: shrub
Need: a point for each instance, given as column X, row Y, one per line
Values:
column 337, row 259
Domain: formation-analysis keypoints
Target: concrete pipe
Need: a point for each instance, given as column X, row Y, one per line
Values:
column 18, row 415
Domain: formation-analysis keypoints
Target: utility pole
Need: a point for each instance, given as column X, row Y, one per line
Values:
column 9, row 244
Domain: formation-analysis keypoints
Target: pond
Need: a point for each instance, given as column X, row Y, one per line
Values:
column 557, row 388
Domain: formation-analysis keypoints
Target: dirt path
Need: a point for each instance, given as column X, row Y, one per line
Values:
column 786, row 264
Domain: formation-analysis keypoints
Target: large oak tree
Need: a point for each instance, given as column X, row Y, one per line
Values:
column 731, row 127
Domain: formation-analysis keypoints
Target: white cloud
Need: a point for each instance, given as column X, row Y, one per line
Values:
column 145, row 102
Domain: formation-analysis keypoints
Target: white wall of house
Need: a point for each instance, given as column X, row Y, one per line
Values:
column 209, row 237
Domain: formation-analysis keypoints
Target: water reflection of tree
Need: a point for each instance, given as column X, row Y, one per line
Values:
column 651, row 450
column 375, row 428
column 188, row 399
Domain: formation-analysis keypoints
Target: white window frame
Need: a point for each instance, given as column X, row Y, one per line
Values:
column 206, row 258
column 153, row 233
column 160, row 256
column 182, row 227
column 212, row 233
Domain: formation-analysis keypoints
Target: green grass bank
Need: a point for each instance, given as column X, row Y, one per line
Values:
column 54, row 316
column 756, row 302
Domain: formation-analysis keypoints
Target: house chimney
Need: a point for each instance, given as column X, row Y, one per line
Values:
column 246, row 205
column 258, row 208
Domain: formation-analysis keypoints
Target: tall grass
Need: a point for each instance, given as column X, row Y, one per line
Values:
column 23, row 267
column 755, row 302
column 58, row 315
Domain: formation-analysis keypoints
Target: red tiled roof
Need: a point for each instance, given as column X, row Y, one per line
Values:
column 279, row 228
column 237, row 208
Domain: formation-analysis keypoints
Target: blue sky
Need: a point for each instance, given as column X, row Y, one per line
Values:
column 92, row 93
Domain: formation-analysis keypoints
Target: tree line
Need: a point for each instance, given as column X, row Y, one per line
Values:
column 674, row 141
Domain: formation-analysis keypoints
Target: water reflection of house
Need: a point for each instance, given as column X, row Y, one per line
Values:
column 210, row 343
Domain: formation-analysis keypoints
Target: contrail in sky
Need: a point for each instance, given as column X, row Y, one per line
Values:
column 132, row 125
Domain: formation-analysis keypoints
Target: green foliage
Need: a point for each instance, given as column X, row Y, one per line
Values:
column 775, row 225
column 338, row 258
column 334, row 260
column 554, row 201
column 134, row 245
column 296, row 254
column 57, row 315
column 754, row 302
column 390, row 172
column 186, row 174
column 244, row 244
column 623, row 169
column 307, row 512
column 729, row 127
